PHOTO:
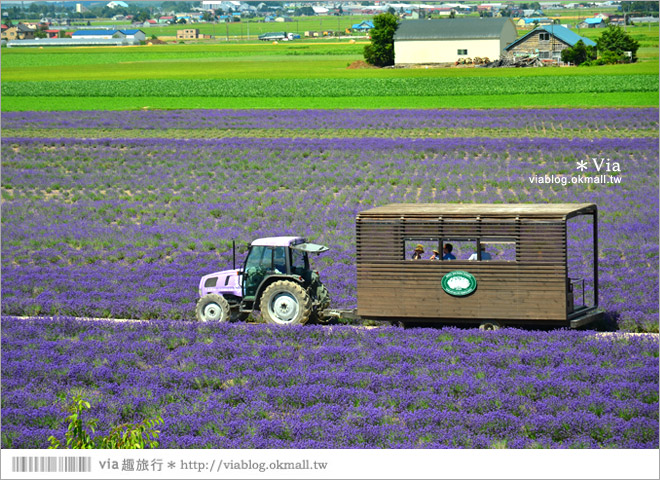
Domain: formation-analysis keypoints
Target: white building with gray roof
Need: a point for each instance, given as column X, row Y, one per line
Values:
column 450, row 40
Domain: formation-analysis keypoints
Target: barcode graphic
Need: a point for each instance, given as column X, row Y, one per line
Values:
column 51, row 464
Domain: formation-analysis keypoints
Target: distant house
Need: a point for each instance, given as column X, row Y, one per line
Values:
column 187, row 34
column 190, row 17
column 18, row 32
column 363, row 26
column 320, row 10
column 283, row 19
column 52, row 33
column 592, row 23
column 546, row 42
column 150, row 23
column 533, row 21
column 135, row 34
column 166, row 19
column 442, row 11
column 617, row 20
column 451, row 40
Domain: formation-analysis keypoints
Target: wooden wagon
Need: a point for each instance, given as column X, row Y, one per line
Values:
column 521, row 277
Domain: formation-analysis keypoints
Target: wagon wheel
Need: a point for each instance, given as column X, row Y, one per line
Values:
column 212, row 308
column 285, row 303
column 489, row 325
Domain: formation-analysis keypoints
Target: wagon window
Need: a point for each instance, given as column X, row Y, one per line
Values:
column 502, row 250
column 428, row 244
column 462, row 248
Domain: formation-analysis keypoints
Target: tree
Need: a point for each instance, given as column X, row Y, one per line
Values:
column 578, row 53
column 612, row 44
column 640, row 7
column 143, row 16
column 381, row 50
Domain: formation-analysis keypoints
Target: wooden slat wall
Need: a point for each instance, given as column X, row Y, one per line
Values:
column 531, row 288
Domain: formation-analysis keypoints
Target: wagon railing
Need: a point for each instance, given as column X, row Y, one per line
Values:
column 580, row 282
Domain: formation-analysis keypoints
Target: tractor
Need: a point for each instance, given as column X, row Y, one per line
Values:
column 276, row 280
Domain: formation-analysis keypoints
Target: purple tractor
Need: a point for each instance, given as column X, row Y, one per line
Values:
column 276, row 279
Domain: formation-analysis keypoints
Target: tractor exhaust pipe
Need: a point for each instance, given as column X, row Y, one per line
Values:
column 233, row 255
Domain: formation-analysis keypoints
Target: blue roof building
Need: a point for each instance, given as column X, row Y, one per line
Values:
column 596, row 22
column 101, row 33
column 546, row 42
column 363, row 26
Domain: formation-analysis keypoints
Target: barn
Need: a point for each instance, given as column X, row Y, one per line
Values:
column 546, row 42
column 450, row 40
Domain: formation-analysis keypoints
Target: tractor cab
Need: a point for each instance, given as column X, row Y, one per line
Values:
column 274, row 260
column 277, row 256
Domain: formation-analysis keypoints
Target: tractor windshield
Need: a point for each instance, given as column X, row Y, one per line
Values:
column 262, row 261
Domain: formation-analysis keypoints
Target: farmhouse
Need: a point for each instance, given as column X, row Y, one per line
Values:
column 592, row 23
column 363, row 26
column 18, row 32
column 187, row 34
column 546, row 42
column 450, row 40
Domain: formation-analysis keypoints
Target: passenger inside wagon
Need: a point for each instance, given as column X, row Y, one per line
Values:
column 484, row 254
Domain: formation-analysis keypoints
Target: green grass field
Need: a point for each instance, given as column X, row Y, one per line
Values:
column 257, row 75
column 249, row 29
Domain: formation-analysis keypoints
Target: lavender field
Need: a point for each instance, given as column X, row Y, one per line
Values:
column 255, row 386
column 117, row 215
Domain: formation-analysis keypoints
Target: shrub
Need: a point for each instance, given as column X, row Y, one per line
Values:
column 612, row 44
column 126, row 435
column 578, row 53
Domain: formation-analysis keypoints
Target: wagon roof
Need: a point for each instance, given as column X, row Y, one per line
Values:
column 553, row 210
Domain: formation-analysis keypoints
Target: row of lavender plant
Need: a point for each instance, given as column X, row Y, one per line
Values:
column 599, row 119
column 254, row 386
column 125, row 228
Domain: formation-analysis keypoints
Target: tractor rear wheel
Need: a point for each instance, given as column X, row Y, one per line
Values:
column 285, row 303
column 213, row 308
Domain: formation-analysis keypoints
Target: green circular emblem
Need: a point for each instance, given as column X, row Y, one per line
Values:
column 459, row 283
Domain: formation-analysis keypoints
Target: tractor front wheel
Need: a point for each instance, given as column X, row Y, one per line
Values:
column 213, row 308
column 285, row 303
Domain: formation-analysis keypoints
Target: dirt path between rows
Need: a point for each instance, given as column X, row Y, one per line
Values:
column 366, row 327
